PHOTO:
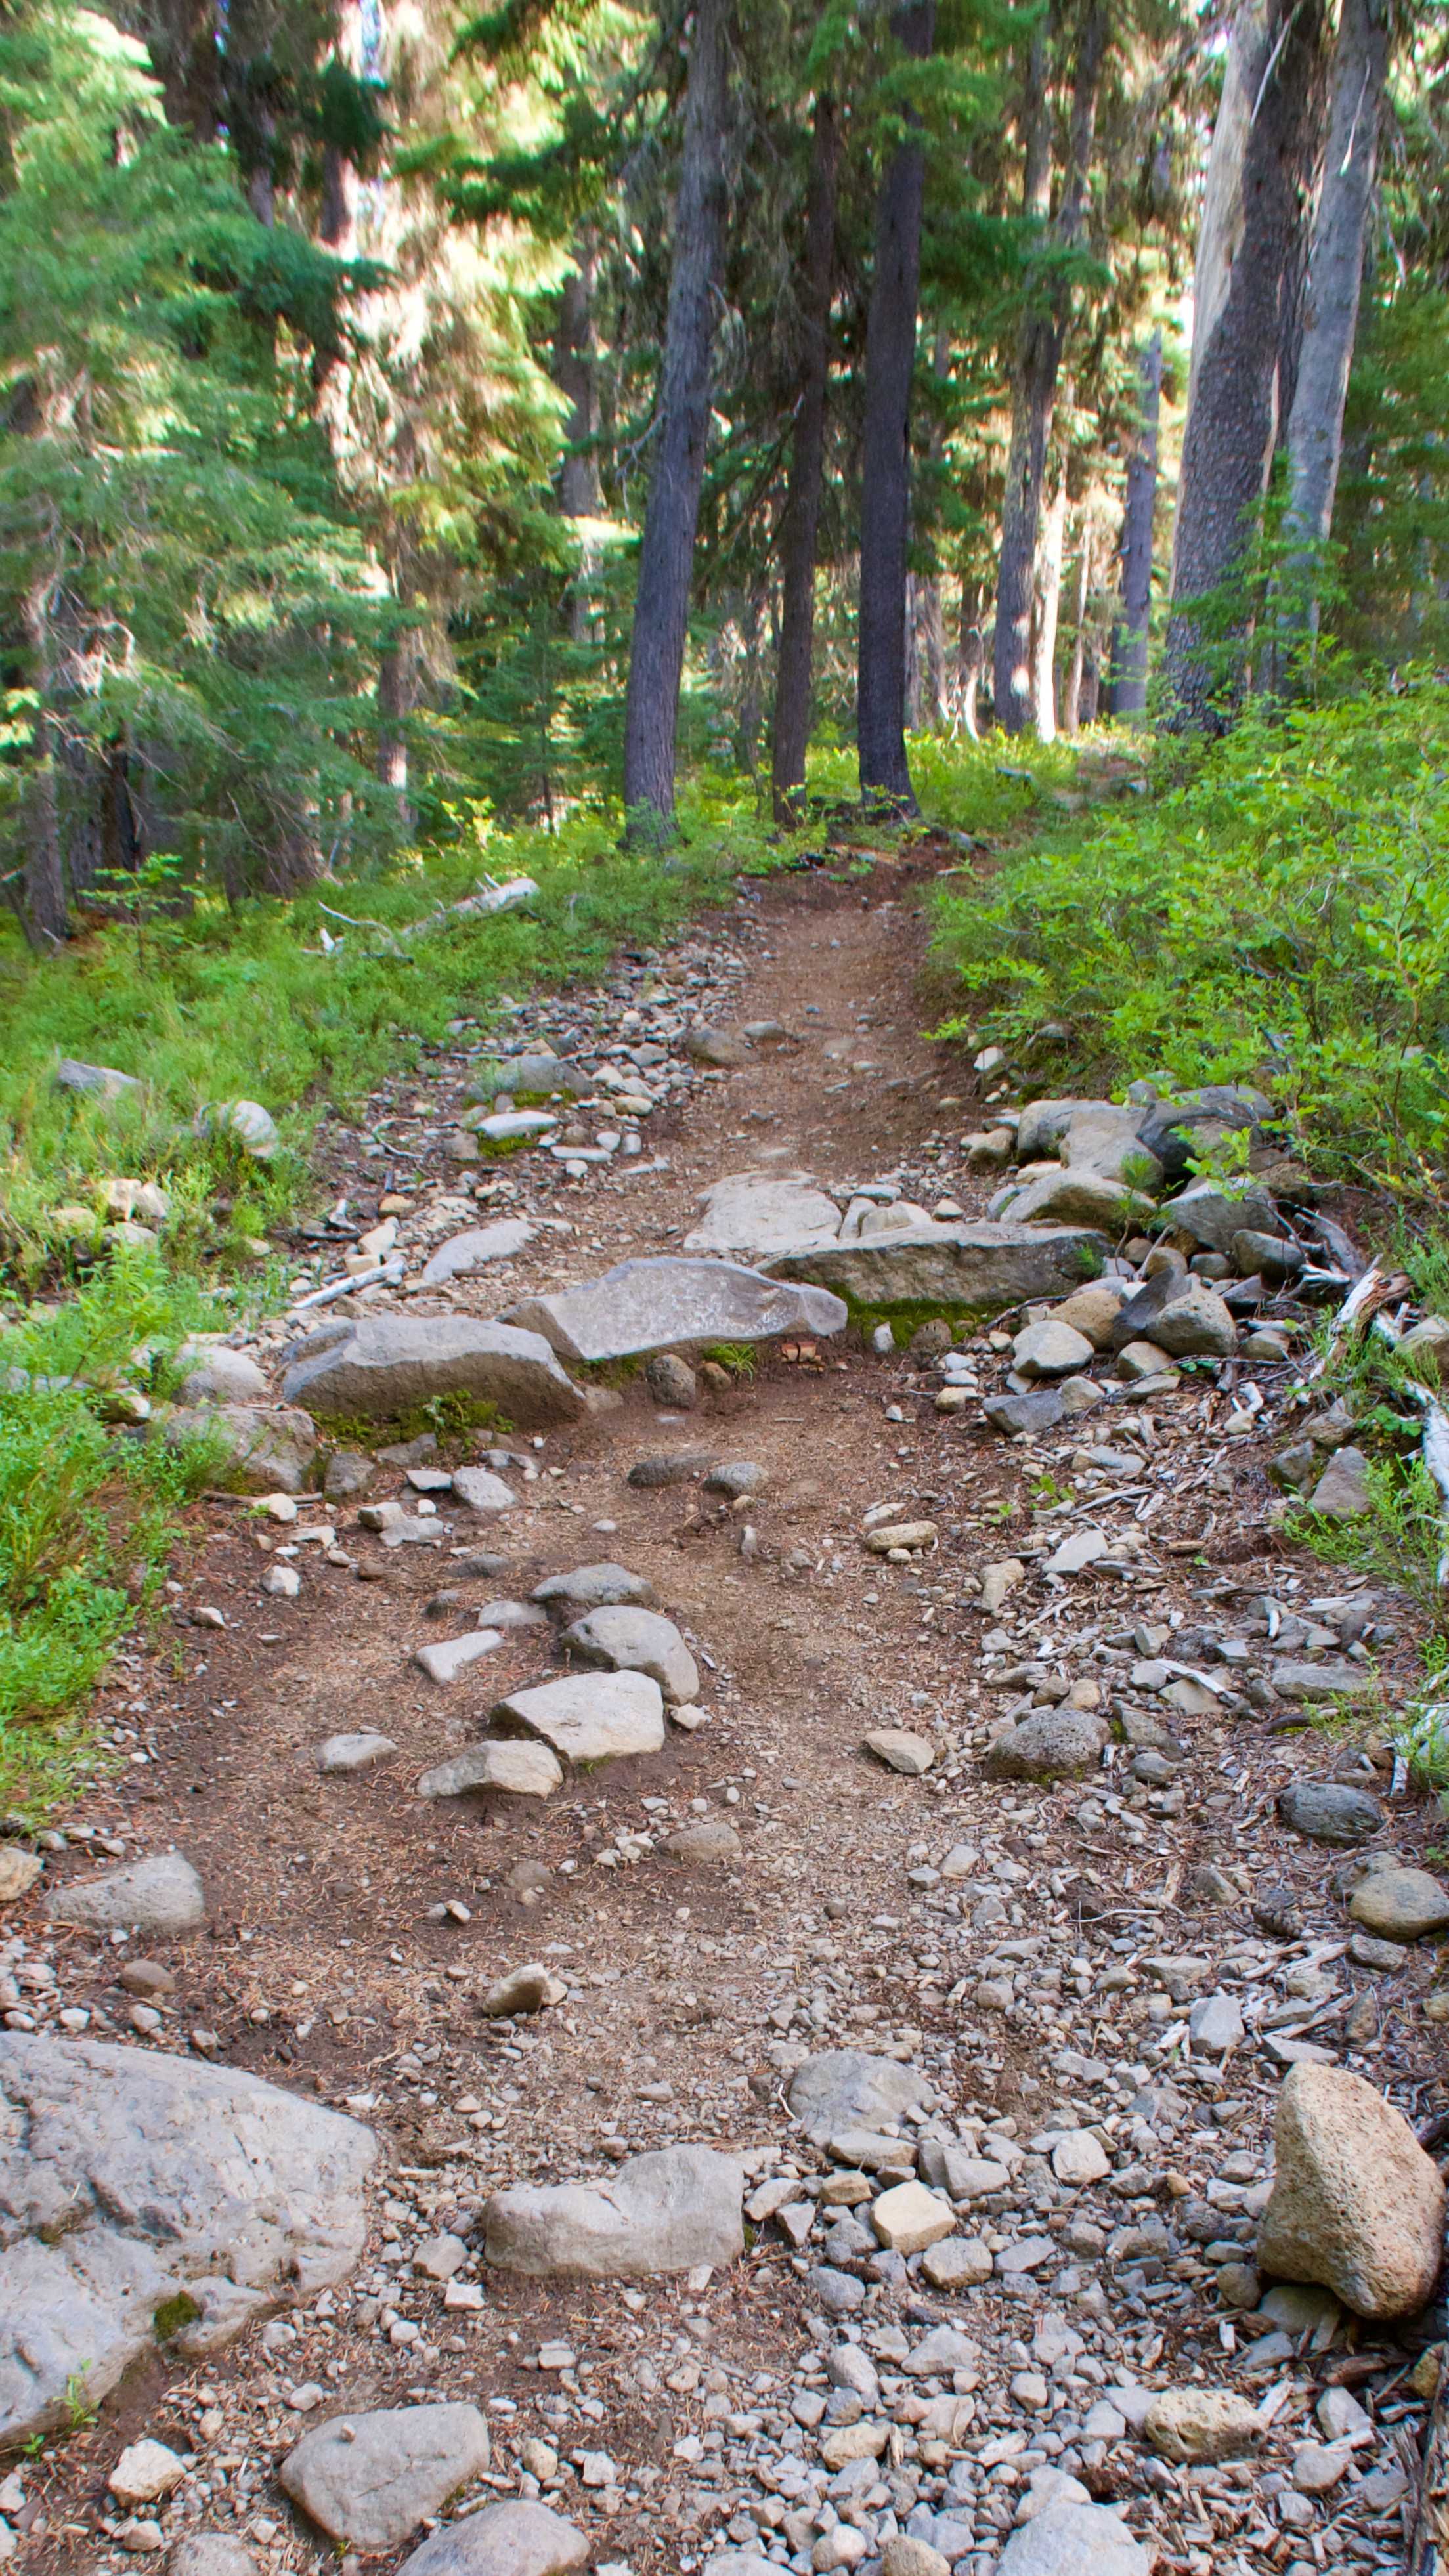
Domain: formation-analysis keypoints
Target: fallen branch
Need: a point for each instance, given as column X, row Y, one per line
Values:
column 392, row 1271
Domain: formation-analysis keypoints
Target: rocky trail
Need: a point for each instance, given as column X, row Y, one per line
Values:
column 706, row 1980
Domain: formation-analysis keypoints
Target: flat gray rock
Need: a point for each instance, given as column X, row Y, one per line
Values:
column 1051, row 1744
column 973, row 1269
column 664, row 2212
column 1069, row 2539
column 592, row 1587
column 476, row 1248
column 266, row 1449
column 1329, row 1811
column 130, row 2180
column 100, row 1081
column 627, row 1640
column 512, row 2539
column 845, row 2088
column 388, row 1364
column 220, row 1376
column 161, row 1895
column 362, row 1752
column 210, row 2553
column 700, row 1845
column 668, row 1302
column 761, row 1212
column 736, row 1477
column 589, row 1717
column 451, row 1656
column 518, row 1770
column 370, row 2479
column 531, row 1077
column 482, row 1491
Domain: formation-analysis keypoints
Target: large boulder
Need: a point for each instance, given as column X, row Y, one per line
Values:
column 846, row 2088
column 389, row 1364
column 626, row 1640
column 751, row 1213
column 972, row 1269
column 659, row 2213
column 1356, row 2205
column 669, row 1302
column 588, row 1717
column 1071, row 2539
column 371, row 2479
column 512, row 2539
column 146, row 2198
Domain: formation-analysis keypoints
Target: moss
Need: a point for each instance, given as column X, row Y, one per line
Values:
column 174, row 2313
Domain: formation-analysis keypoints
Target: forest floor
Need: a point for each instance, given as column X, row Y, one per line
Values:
column 1041, row 1981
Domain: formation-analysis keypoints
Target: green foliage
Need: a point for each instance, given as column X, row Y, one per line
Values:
column 1399, row 1539
column 1278, row 910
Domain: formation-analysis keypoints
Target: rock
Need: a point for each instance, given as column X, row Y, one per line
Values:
column 344, row 1753
column 998, row 1581
column 1202, row 2424
column 1079, row 2160
column 589, row 1717
column 1425, row 1349
column 1051, row 1744
column 530, row 1989
column 668, row 1301
column 512, row 2539
column 388, row 1365
column 671, row 1467
column 370, row 2479
column 1401, row 1904
column 957, row 2263
column 1327, row 1680
column 1084, row 1547
column 664, row 2212
column 209, row 2553
column 705, row 1842
column 144, row 2471
column 476, row 1248
column 518, row 1770
column 453, row 1655
column 672, row 1381
column 1342, row 1491
column 283, row 1582
column 903, row 2556
column 1329, row 1811
column 1032, row 1414
column 264, row 1449
column 755, row 1213
column 1356, row 2204
column 243, row 1123
column 19, row 1871
column 99, row 1081
column 966, row 1269
column 1082, row 1196
column 532, row 1076
column 909, row 2218
column 909, row 1754
column 1180, row 1314
column 134, row 2183
column 715, row 1047
column 512, row 1616
column 838, row 2293
column 1215, row 2025
column 1070, row 2539
column 905, row 1534
column 1213, row 1215
column 591, row 1587
column 348, row 1475
column 846, row 2089
column 1051, row 1349
column 1177, row 1130
column 161, row 1895
column 736, row 1478
column 629, row 1640
column 1093, row 1310
column 212, row 1374
column 482, row 1491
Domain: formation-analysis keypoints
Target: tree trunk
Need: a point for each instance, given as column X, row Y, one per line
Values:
column 183, row 50
column 666, row 553
column 885, row 498
column 1046, row 611
column 800, row 519
column 1034, row 386
column 1072, row 707
column 397, row 669
column 973, row 653
column 931, row 619
column 1330, row 320
column 1130, row 637
column 575, row 372
column 1249, row 249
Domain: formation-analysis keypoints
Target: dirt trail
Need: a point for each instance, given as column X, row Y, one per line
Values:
column 354, row 1926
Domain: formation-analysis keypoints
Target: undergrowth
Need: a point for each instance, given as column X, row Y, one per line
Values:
column 1276, row 909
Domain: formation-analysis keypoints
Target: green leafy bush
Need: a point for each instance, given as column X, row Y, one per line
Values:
column 1276, row 910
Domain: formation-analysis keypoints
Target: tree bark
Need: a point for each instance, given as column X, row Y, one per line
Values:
column 1034, row 387
column 183, row 50
column 575, row 372
column 666, row 553
column 972, row 656
column 1046, row 612
column 800, row 519
column 1330, row 320
column 1245, row 292
column 885, row 499
column 1072, row 703
column 1130, row 637
column 397, row 669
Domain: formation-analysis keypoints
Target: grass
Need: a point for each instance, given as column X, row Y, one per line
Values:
column 1276, row 909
